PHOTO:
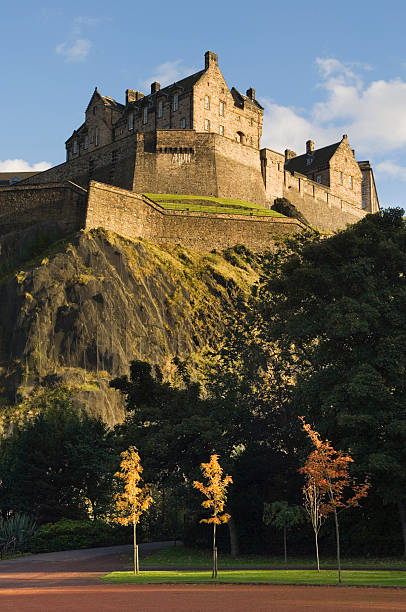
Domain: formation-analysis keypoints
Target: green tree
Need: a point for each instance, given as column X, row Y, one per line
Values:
column 335, row 309
column 57, row 463
column 283, row 517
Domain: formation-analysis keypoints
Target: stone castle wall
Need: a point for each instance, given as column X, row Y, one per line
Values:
column 22, row 206
column 320, row 207
column 130, row 214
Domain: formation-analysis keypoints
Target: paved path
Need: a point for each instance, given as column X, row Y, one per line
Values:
column 68, row 581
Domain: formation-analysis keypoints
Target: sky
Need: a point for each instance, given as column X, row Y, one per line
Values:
column 320, row 69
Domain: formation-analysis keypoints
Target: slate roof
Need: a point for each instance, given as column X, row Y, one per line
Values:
column 319, row 160
column 6, row 177
column 186, row 84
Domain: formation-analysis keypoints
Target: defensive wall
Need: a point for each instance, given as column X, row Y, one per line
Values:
column 133, row 215
column 318, row 203
column 25, row 205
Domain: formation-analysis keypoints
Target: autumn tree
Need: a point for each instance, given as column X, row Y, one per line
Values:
column 216, row 493
column 328, row 487
column 135, row 498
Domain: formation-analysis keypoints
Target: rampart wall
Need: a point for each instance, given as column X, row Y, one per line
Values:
column 318, row 205
column 25, row 205
column 129, row 214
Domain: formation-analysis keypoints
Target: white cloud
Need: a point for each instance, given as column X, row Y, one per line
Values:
column 391, row 169
column 169, row 72
column 76, row 51
column 373, row 114
column 20, row 165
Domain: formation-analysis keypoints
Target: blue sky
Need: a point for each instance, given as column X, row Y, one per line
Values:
column 320, row 70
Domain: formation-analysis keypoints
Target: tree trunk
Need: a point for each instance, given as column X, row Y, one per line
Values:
column 136, row 562
column 285, row 549
column 234, row 544
column 402, row 515
column 214, row 572
column 338, row 545
column 316, row 539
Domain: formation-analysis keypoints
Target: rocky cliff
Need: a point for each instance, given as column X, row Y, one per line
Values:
column 78, row 310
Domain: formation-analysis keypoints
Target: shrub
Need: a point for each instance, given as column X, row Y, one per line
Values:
column 17, row 530
column 70, row 535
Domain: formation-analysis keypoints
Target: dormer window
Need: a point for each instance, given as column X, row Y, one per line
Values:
column 160, row 108
column 75, row 146
column 207, row 102
column 94, row 109
column 309, row 159
column 131, row 121
column 175, row 102
column 86, row 143
column 145, row 116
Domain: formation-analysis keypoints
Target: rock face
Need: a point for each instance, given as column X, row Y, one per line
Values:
column 79, row 310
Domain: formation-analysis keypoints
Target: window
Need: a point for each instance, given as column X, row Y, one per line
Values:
column 94, row 110
column 145, row 119
column 251, row 141
column 160, row 108
column 221, row 130
column 86, row 143
column 114, row 157
column 207, row 102
column 131, row 121
column 222, row 109
column 183, row 123
column 251, row 122
column 318, row 178
column 363, row 202
column 175, row 102
column 96, row 136
column 351, row 184
column 207, row 125
column 75, row 146
column 340, row 178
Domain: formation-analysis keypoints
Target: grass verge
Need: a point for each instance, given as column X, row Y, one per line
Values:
column 310, row 577
column 210, row 204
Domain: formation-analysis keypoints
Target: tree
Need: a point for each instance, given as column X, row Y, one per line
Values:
column 58, row 462
column 335, row 309
column 328, row 486
column 216, row 493
column 135, row 499
column 284, row 517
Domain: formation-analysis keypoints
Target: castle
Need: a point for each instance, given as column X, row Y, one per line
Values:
column 197, row 137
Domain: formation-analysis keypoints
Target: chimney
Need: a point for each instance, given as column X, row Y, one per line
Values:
column 132, row 96
column 345, row 137
column 155, row 86
column 251, row 93
column 289, row 154
column 210, row 59
column 309, row 147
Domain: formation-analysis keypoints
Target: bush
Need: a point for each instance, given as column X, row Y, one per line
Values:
column 70, row 535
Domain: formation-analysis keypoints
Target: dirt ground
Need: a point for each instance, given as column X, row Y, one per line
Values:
column 68, row 581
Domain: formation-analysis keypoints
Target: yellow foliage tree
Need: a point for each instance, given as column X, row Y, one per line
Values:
column 135, row 499
column 216, row 493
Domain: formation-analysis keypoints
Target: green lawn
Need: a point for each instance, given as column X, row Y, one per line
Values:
column 325, row 577
column 179, row 556
column 210, row 204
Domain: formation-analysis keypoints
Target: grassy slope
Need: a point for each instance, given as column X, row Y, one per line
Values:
column 210, row 204
column 325, row 577
column 179, row 556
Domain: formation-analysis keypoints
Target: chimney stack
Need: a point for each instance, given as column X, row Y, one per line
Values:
column 155, row 86
column 345, row 137
column 132, row 96
column 309, row 147
column 210, row 59
column 251, row 93
column 289, row 154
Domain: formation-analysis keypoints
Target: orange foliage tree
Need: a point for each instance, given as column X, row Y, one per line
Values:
column 135, row 499
column 328, row 486
column 216, row 493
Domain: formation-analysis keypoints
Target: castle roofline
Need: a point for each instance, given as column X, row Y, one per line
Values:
column 319, row 159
